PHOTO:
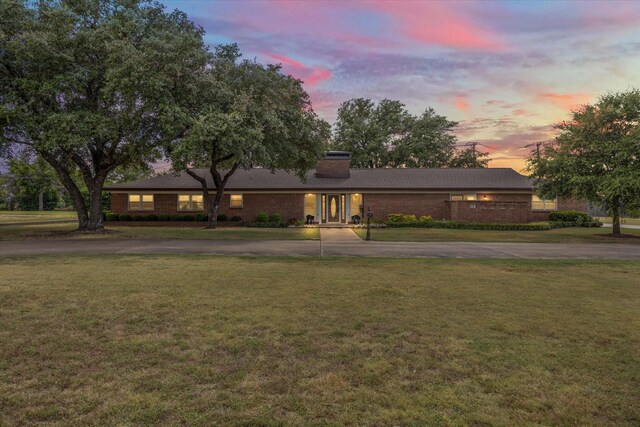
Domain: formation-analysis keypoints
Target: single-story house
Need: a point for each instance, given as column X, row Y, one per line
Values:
column 336, row 193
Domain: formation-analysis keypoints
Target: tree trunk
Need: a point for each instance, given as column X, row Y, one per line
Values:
column 76, row 196
column 615, row 213
column 214, row 208
column 95, row 208
column 41, row 201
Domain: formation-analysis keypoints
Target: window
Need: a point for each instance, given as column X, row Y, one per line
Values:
column 235, row 201
column 356, row 201
column 309, row 205
column 140, row 202
column 459, row 197
column 190, row 202
column 542, row 204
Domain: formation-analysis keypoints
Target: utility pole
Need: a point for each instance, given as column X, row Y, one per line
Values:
column 473, row 147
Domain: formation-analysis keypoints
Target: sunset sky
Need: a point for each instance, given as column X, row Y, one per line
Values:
column 505, row 70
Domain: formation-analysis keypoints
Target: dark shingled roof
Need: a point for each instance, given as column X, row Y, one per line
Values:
column 360, row 179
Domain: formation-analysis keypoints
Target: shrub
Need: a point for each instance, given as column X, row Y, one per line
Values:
column 265, row 225
column 535, row 226
column 576, row 218
column 163, row 217
column 201, row 217
column 426, row 218
column 111, row 217
column 222, row 217
column 125, row 217
column 262, row 217
column 175, row 217
column 152, row 217
column 187, row 218
column 275, row 218
column 569, row 216
column 139, row 218
column 400, row 218
column 236, row 218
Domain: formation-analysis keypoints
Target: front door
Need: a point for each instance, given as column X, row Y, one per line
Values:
column 333, row 208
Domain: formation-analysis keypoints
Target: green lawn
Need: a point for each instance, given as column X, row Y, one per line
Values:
column 7, row 217
column 65, row 231
column 628, row 221
column 203, row 340
column 560, row 235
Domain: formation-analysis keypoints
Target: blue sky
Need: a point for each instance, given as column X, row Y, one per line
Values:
column 506, row 71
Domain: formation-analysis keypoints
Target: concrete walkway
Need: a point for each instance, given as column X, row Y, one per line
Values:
column 635, row 227
column 328, row 247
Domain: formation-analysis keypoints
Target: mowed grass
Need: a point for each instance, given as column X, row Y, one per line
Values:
column 11, row 217
column 66, row 231
column 559, row 235
column 203, row 340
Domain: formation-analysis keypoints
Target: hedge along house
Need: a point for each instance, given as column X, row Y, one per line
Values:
column 334, row 193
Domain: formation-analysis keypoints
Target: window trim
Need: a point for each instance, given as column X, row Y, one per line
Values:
column 140, row 202
column 190, row 208
column 231, row 206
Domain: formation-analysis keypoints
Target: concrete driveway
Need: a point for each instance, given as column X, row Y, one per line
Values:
column 331, row 244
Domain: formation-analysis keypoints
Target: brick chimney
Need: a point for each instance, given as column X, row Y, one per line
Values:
column 334, row 165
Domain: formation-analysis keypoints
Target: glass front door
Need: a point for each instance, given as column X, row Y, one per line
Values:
column 333, row 208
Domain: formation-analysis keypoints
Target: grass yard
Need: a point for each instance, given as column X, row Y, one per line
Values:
column 202, row 340
column 65, row 231
column 559, row 235
column 15, row 217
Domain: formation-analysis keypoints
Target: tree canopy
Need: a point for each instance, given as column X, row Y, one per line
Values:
column 91, row 85
column 595, row 155
column 387, row 135
column 245, row 115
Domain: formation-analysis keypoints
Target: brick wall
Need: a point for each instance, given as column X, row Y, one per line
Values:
column 289, row 206
column 489, row 211
column 333, row 168
column 416, row 204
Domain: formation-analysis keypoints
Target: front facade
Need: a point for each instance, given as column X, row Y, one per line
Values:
column 336, row 194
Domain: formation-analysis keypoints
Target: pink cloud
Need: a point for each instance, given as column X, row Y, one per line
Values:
column 310, row 75
column 439, row 23
column 285, row 60
column 565, row 101
column 462, row 104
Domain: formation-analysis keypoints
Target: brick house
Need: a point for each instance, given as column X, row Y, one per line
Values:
column 336, row 193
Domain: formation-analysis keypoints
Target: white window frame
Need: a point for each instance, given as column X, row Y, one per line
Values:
column 140, row 202
column 191, row 203
column 543, row 203
column 231, row 206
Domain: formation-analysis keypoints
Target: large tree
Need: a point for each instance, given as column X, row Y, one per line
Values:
column 386, row 135
column 90, row 85
column 469, row 157
column 595, row 155
column 371, row 132
column 245, row 115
